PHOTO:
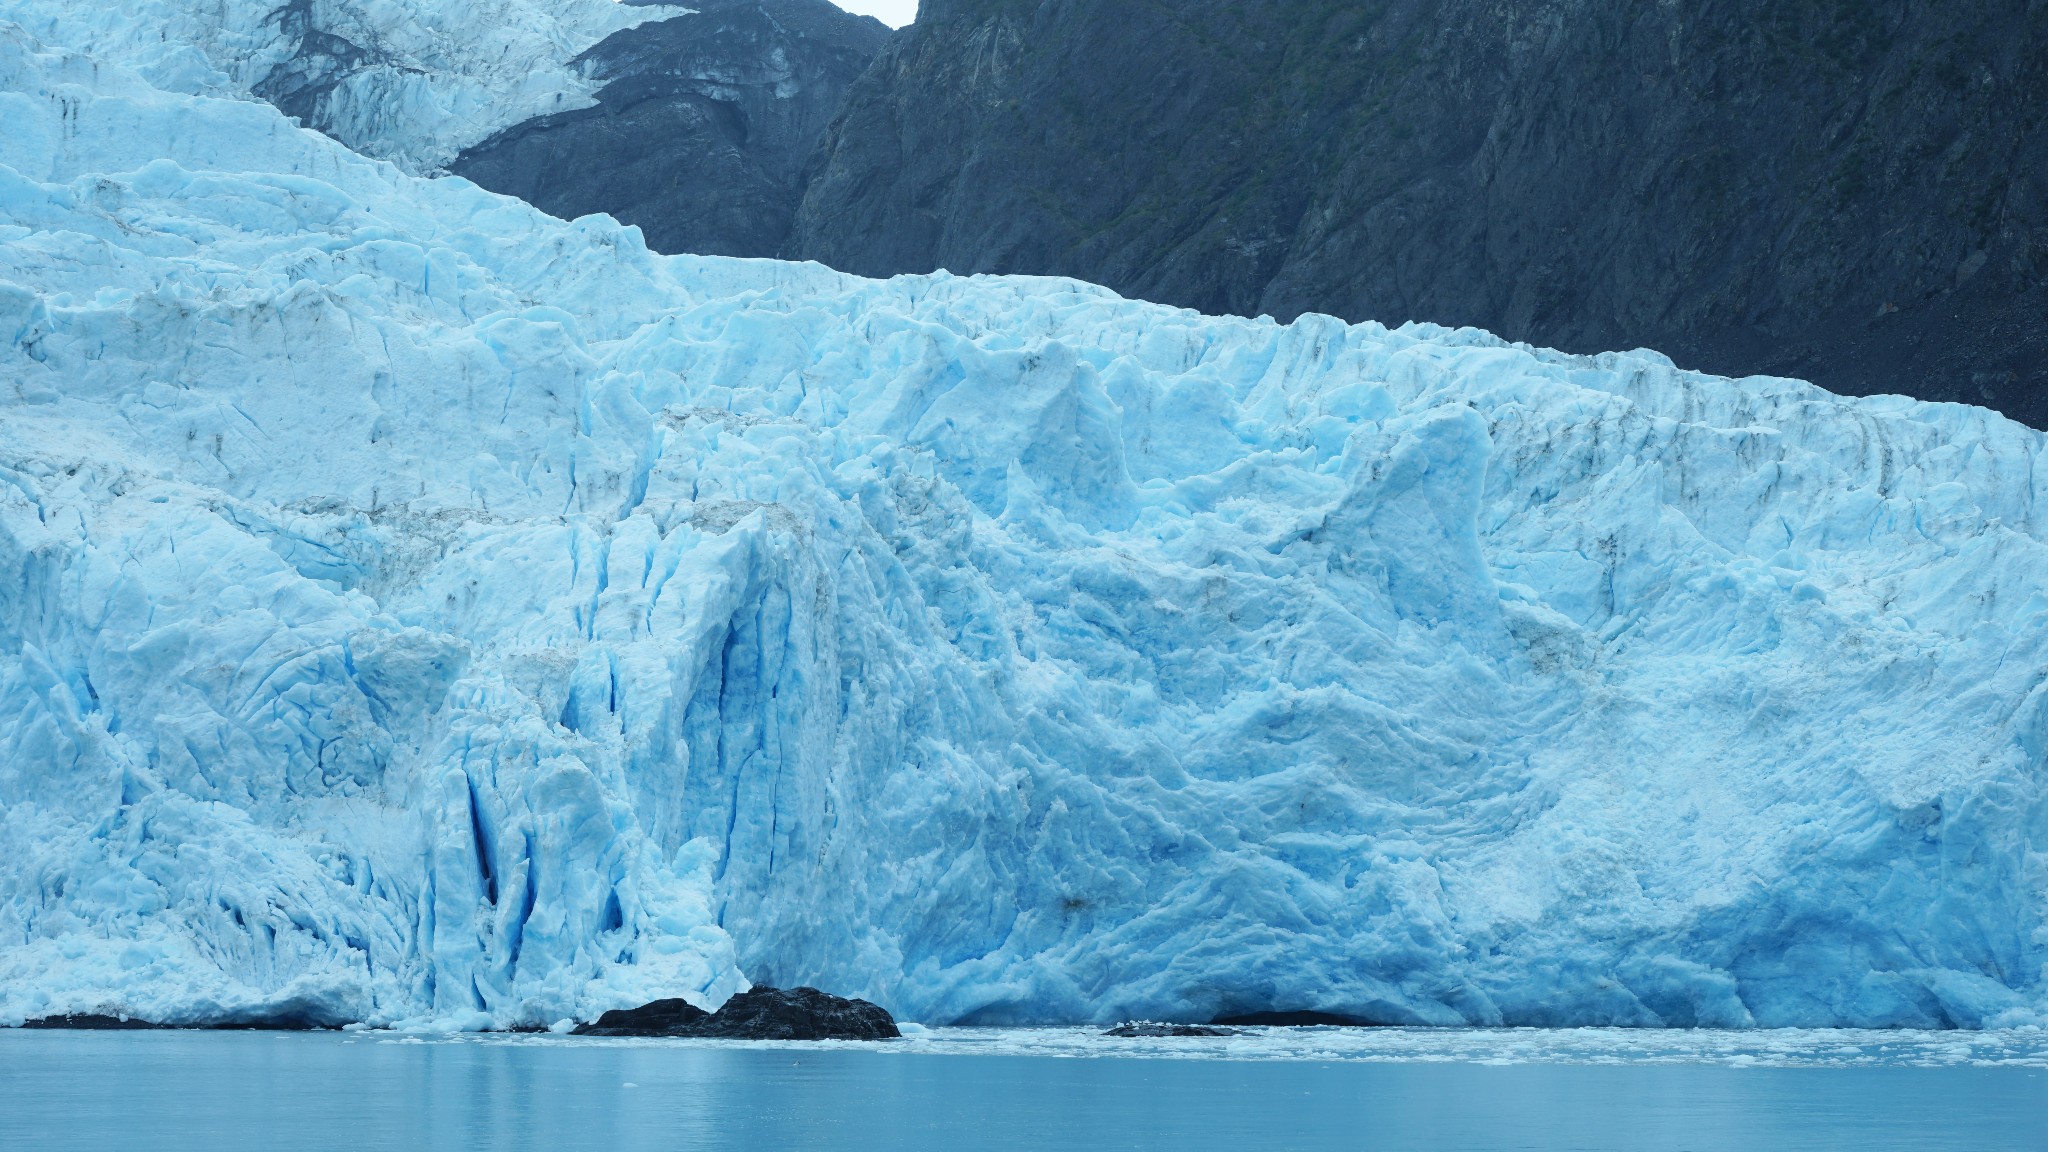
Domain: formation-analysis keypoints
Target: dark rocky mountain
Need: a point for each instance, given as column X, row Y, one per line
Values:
column 702, row 129
column 1853, row 192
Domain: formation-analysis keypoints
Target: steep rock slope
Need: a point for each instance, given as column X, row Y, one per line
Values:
column 1852, row 193
column 701, row 130
column 416, row 608
column 410, row 81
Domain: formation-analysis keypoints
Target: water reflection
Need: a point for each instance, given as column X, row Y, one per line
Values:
column 180, row 1091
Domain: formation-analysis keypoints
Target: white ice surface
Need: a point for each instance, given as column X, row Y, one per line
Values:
column 415, row 609
column 420, row 80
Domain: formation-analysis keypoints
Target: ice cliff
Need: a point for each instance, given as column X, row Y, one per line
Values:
column 410, row 81
column 414, row 608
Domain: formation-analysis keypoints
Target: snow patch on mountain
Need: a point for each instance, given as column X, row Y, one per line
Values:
column 413, row 608
column 410, row 81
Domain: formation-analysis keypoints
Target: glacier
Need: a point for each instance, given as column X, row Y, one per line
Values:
column 418, row 611
column 410, row 81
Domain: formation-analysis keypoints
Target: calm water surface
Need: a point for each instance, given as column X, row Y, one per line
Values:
column 1061, row 1088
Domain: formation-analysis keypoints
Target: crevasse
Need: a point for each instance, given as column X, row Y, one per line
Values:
column 414, row 609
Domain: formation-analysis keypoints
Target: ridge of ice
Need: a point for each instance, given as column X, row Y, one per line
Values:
column 416, row 609
column 436, row 76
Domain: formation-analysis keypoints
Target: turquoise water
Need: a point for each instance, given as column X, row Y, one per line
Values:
column 1061, row 1088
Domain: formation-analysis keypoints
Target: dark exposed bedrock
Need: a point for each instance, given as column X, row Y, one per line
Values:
column 302, row 85
column 93, row 1022
column 758, row 1014
column 1853, row 192
column 660, row 1018
column 701, row 130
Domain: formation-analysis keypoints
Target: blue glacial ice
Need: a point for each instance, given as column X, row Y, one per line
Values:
column 410, row 81
column 417, row 610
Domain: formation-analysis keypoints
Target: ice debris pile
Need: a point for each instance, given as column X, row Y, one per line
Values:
column 415, row 609
column 410, row 81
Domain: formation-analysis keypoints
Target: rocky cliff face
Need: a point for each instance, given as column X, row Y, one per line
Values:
column 701, row 130
column 1854, row 193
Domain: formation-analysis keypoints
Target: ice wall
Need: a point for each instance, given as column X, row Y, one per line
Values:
column 410, row 81
column 414, row 608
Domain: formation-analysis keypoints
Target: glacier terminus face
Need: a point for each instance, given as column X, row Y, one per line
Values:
column 415, row 610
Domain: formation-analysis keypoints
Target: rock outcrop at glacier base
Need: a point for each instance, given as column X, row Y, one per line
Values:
column 416, row 609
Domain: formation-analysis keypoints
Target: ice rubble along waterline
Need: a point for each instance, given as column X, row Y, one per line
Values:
column 418, row 609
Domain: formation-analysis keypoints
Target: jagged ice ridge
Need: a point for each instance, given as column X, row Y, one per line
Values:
column 410, row 81
column 417, row 610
